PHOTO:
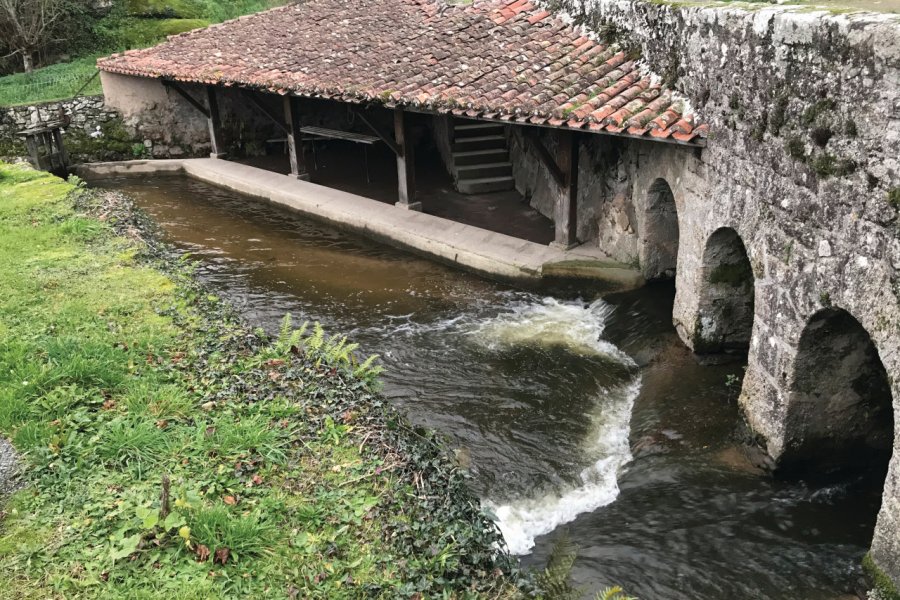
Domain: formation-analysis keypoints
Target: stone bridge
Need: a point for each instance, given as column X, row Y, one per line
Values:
column 784, row 232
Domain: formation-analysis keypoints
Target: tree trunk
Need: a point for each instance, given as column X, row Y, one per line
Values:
column 28, row 61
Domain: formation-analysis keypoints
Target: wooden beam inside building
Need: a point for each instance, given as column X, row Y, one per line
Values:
column 406, row 163
column 214, row 121
column 382, row 135
column 546, row 156
column 294, row 140
column 260, row 106
column 184, row 94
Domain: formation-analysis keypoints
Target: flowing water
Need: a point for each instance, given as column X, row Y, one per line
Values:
column 572, row 414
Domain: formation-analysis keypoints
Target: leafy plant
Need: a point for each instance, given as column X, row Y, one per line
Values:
column 555, row 580
column 614, row 593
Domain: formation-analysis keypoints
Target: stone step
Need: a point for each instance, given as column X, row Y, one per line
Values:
column 477, row 157
column 497, row 169
column 485, row 184
column 477, row 129
column 481, row 142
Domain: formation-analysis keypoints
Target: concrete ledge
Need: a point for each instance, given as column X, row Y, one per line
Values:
column 471, row 248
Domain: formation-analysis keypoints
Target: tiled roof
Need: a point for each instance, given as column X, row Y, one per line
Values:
column 495, row 59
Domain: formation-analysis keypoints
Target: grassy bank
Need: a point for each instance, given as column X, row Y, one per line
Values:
column 126, row 24
column 51, row 83
column 171, row 453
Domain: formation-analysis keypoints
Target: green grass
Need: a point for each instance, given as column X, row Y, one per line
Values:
column 50, row 83
column 139, row 33
column 143, row 23
column 129, row 390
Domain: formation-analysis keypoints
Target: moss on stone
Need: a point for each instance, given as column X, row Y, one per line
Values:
column 893, row 197
column 778, row 116
column 878, row 579
column 733, row 274
column 113, row 143
column 828, row 165
column 12, row 147
column 850, row 129
column 795, row 148
column 814, row 111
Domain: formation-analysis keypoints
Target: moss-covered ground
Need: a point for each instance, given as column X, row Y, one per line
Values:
column 170, row 452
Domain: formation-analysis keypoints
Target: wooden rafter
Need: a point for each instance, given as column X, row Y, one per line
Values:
column 261, row 107
column 184, row 94
column 383, row 135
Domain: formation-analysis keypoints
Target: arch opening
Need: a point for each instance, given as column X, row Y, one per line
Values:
column 840, row 414
column 659, row 245
column 725, row 319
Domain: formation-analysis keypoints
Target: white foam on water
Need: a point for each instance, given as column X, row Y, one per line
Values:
column 523, row 520
column 579, row 327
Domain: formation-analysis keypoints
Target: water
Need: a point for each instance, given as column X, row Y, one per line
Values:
column 572, row 414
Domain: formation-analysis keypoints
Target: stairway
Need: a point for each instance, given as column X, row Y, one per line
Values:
column 480, row 157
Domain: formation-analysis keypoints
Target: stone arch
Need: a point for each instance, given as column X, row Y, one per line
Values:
column 659, row 235
column 840, row 409
column 725, row 316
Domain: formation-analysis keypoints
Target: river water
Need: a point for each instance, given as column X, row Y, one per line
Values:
column 572, row 414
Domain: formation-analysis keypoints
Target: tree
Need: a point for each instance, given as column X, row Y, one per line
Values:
column 28, row 25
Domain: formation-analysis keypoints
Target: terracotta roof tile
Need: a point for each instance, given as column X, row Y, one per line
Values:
column 496, row 59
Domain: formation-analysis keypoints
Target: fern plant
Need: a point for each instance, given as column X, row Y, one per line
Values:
column 331, row 351
column 555, row 580
column 555, row 583
column 614, row 593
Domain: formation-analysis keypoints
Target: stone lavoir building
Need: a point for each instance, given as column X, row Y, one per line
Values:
column 751, row 155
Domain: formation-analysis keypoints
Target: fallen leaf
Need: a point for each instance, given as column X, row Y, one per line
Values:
column 202, row 552
column 208, row 405
column 162, row 424
column 275, row 362
column 230, row 500
column 257, row 480
column 109, row 404
column 221, row 555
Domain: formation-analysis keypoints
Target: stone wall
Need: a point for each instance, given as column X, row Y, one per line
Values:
column 171, row 127
column 602, row 185
column 139, row 118
column 803, row 164
column 95, row 131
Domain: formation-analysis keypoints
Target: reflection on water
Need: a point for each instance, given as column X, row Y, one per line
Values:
column 572, row 414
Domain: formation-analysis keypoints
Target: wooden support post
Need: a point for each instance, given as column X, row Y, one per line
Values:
column 566, row 213
column 295, row 145
column 60, row 148
column 216, row 145
column 33, row 150
column 406, row 163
